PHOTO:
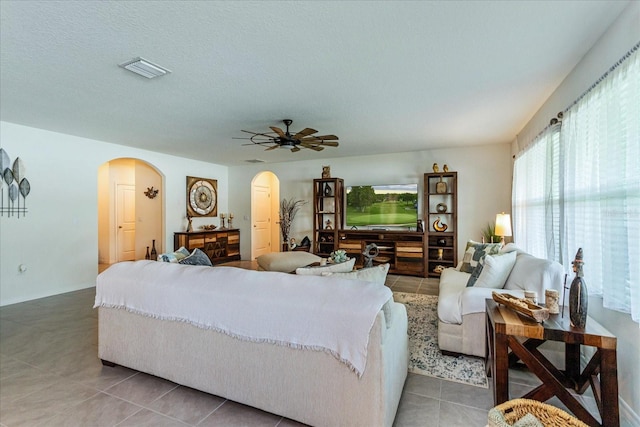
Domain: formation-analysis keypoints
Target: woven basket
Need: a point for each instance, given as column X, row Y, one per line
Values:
column 506, row 414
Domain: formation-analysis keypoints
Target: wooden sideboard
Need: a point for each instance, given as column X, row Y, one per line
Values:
column 220, row 245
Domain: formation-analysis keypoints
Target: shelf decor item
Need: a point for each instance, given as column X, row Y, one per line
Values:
column 154, row 253
column 327, row 190
column 438, row 225
column 578, row 298
column 326, row 172
column 441, row 208
column 441, row 187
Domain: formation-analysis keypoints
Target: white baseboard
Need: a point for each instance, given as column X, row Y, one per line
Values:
column 627, row 416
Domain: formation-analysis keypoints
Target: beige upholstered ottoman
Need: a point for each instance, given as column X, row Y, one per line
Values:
column 286, row 262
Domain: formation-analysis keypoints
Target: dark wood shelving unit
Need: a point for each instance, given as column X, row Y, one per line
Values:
column 328, row 205
column 442, row 246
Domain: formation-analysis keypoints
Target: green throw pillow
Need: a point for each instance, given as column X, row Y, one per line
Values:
column 474, row 252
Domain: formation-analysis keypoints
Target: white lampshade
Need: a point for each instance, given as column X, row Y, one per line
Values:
column 503, row 225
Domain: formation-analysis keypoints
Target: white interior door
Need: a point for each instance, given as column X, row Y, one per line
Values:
column 125, row 222
column 261, row 217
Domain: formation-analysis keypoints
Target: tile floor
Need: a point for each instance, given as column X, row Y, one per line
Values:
column 50, row 375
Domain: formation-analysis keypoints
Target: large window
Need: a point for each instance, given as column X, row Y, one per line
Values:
column 578, row 185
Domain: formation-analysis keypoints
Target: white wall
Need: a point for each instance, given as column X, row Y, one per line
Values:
column 58, row 238
column 484, row 184
column 618, row 39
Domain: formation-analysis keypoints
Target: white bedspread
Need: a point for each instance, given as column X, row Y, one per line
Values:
column 310, row 312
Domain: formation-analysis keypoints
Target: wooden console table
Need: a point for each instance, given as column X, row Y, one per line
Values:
column 221, row 245
column 504, row 326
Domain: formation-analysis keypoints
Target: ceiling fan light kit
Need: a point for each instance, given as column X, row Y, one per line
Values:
column 283, row 139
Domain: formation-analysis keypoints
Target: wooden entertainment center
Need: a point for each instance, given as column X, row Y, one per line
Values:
column 416, row 253
column 403, row 250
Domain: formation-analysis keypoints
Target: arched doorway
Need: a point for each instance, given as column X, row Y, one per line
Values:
column 265, row 231
column 130, row 216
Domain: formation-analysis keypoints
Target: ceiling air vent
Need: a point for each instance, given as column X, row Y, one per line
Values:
column 255, row 161
column 144, row 68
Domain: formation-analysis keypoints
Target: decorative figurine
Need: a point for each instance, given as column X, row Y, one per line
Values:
column 326, row 172
column 578, row 298
column 436, row 168
column 419, row 226
column 328, row 225
column 327, row 190
column 370, row 252
column 438, row 225
column 190, row 224
column 445, row 168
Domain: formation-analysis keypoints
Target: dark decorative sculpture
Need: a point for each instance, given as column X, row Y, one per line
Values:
column 578, row 298
column 151, row 192
column 370, row 252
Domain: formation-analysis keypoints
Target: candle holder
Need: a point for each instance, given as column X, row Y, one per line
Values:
column 222, row 217
column 230, row 220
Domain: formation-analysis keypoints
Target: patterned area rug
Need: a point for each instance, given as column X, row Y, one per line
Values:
column 425, row 357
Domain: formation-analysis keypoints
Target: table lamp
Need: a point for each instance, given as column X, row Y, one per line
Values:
column 503, row 226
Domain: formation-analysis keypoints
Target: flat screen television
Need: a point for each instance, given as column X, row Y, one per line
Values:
column 391, row 206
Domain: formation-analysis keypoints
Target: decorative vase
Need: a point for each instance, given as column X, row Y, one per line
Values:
column 147, row 256
column 154, row 253
column 578, row 298
column 327, row 190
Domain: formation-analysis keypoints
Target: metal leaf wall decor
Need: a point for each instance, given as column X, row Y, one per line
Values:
column 14, row 186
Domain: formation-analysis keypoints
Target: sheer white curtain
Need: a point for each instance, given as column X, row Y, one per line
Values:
column 601, row 138
column 535, row 195
column 579, row 186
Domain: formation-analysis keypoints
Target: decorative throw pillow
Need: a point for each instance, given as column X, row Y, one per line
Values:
column 377, row 274
column 475, row 252
column 197, row 257
column 174, row 256
column 343, row 267
column 493, row 271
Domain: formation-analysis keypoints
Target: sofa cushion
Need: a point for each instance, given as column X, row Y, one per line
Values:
column 535, row 274
column 343, row 267
column 475, row 251
column 197, row 257
column 493, row 271
column 286, row 262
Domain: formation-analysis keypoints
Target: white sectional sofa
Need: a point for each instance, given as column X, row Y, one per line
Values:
column 461, row 309
column 164, row 319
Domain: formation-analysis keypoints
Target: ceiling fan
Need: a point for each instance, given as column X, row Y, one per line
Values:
column 283, row 139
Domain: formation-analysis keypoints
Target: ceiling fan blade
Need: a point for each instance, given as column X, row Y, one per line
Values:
column 278, row 131
column 325, row 137
column 272, row 148
column 294, row 149
column 329, row 143
column 304, row 132
column 311, row 147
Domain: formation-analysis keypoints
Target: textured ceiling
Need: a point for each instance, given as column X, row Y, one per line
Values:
column 383, row 76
